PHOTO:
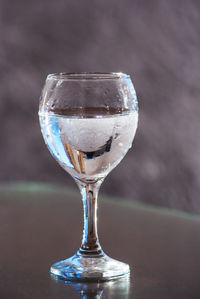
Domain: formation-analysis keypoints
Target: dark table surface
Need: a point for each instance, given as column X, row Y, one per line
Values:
column 41, row 224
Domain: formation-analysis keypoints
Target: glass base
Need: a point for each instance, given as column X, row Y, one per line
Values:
column 94, row 268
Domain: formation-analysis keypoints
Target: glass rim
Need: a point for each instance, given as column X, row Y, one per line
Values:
column 88, row 76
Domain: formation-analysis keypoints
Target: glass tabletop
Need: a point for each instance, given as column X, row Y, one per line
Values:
column 41, row 224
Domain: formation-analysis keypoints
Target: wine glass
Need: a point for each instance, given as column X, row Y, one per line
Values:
column 88, row 121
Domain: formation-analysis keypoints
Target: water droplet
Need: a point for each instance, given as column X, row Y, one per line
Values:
column 59, row 83
column 106, row 92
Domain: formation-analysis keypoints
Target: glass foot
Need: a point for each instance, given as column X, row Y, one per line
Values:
column 95, row 268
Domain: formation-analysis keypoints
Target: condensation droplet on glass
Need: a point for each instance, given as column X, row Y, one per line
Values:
column 59, row 83
column 106, row 91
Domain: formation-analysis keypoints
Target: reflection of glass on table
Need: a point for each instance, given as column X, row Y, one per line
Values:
column 110, row 289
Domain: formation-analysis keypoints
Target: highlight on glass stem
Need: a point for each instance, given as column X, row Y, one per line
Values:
column 88, row 121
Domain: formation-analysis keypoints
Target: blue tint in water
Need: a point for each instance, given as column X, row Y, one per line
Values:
column 133, row 94
column 52, row 134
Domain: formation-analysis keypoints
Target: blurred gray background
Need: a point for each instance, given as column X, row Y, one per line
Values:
column 157, row 42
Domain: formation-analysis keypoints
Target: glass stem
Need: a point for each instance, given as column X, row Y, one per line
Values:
column 90, row 242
